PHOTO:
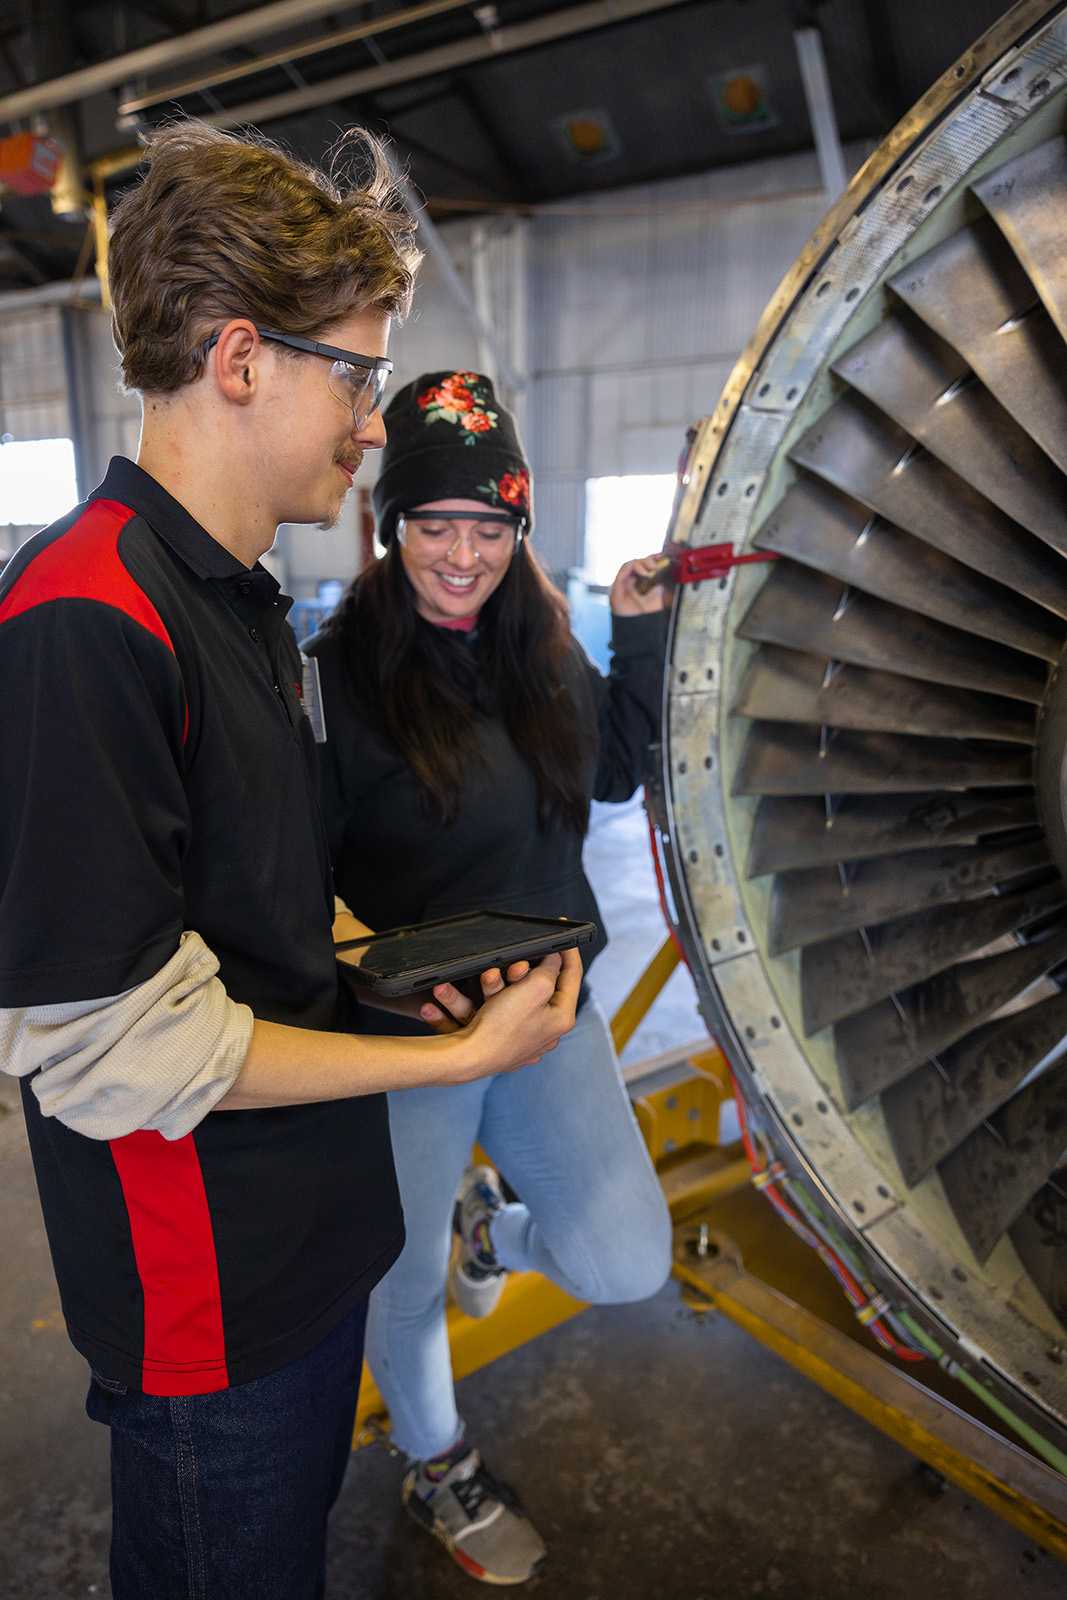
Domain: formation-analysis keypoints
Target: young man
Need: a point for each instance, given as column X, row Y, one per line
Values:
column 212, row 1151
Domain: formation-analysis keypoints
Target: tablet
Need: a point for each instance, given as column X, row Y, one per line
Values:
column 405, row 960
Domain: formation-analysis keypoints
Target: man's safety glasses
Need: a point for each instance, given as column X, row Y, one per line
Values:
column 357, row 381
column 487, row 531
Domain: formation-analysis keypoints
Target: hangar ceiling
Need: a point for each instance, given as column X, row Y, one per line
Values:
column 499, row 105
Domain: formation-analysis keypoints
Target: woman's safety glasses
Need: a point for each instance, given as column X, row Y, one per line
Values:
column 489, row 532
column 357, row 381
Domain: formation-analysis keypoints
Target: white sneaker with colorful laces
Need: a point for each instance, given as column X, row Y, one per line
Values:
column 478, row 1520
column 475, row 1278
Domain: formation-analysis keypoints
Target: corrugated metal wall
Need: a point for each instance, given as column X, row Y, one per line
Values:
column 33, row 377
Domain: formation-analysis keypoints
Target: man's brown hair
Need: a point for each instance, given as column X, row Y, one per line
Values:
column 222, row 227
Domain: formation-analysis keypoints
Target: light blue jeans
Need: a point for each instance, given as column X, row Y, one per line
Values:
column 593, row 1217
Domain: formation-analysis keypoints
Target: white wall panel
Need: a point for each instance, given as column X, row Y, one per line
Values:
column 33, row 382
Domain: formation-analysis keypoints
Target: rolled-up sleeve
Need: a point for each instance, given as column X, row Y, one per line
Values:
column 160, row 1056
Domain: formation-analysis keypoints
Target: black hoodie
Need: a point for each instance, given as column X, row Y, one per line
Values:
column 394, row 864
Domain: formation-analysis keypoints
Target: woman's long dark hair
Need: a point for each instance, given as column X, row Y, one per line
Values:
column 418, row 685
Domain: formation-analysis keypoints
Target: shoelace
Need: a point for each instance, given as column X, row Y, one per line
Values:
column 481, row 1486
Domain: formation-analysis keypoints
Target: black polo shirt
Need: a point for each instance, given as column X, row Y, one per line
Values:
column 158, row 775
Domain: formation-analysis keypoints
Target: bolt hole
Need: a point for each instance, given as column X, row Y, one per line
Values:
column 707, row 763
column 883, row 1191
column 1011, row 75
column 1031, row 1377
column 824, row 288
column 853, row 294
column 716, row 944
column 932, row 194
column 776, row 1022
column 820, row 1105
column 1039, row 88
column 959, row 1275
column 935, row 1294
column 798, row 1119
column 740, row 937
column 722, row 583
column 693, row 856
column 719, row 851
column 710, row 674
column 750, row 491
column 722, row 489
column 683, row 767
column 858, row 1205
column 1055, row 1356
column 750, row 1033
column 763, row 391
column 683, row 677
column 791, row 394
column 960, row 72
column 905, row 183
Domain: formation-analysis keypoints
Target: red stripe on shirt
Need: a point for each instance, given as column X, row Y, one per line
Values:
column 84, row 564
column 174, row 1248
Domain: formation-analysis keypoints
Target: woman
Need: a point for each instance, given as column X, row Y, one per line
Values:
column 466, row 734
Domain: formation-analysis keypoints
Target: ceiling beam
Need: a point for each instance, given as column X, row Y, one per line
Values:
column 196, row 42
column 528, row 35
column 218, row 77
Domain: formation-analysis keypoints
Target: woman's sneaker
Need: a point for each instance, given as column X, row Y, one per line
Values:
column 478, row 1520
column 476, row 1278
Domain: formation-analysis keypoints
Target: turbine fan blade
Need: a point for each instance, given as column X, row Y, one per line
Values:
column 1025, row 199
column 839, row 977
column 862, row 452
column 999, row 1168
column 820, row 527
column 820, row 903
column 878, row 1047
column 795, row 687
column 972, row 291
column 1040, row 1240
column 918, row 380
column 800, row 832
column 802, row 610
column 780, row 758
column 933, row 1110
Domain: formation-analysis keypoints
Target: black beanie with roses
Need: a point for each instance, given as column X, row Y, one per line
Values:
column 449, row 438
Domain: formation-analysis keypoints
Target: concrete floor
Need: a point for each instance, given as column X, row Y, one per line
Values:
column 662, row 1452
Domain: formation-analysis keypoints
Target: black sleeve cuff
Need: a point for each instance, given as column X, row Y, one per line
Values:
column 642, row 635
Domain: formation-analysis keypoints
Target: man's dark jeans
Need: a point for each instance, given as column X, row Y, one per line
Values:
column 225, row 1496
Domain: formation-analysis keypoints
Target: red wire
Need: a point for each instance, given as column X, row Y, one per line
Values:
column 854, row 1291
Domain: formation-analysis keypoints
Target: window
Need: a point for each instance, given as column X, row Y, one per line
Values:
column 37, row 481
column 624, row 517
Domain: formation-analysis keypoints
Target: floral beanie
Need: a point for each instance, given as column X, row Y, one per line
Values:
column 449, row 438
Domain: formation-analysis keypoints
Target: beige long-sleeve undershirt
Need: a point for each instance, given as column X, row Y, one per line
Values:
column 158, row 1056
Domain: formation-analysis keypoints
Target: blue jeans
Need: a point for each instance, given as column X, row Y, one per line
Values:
column 593, row 1217
column 225, row 1496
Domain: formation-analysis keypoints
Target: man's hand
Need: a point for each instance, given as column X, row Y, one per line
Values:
column 519, row 1022
column 626, row 599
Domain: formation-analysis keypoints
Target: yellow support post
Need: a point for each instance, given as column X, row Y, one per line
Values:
column 635, row 1007
column 101, row 240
